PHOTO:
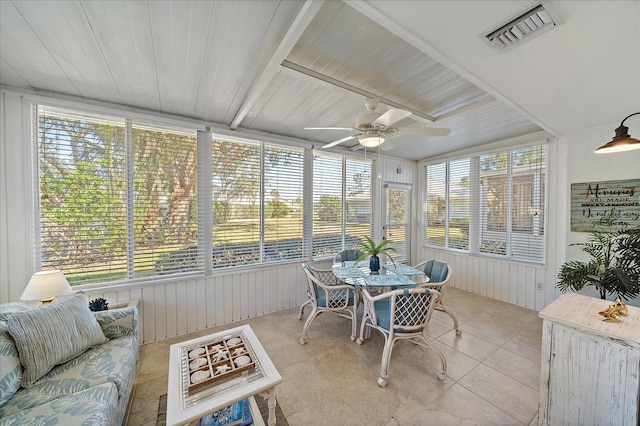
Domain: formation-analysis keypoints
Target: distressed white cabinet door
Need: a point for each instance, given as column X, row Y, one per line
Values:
column 590, row 372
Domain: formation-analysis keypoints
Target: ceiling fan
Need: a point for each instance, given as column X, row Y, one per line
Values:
column 373, row 129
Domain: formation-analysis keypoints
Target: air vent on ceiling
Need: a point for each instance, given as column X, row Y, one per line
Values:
column 534, row 21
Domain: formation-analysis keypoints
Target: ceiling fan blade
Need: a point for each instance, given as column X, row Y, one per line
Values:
column 331, row 128
column 339, row 141
column 423, row 131
column 391, row 116
column 387, row 145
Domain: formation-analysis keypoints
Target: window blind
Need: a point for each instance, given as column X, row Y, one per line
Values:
column 236, row 173
column 82, row 162
column 435, row 204
column 446, row 212
column 510, row 213
column 358, row 205
column 257, row 202
column 165, row 203
column 458, row 186
column 527, row 203
column 328, row 177
column 512, row 204
column 494, row 203
column 283, row 195
column 89, row 225
column 342, row 203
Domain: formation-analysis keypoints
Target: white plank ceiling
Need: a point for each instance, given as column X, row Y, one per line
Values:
column 220, row 61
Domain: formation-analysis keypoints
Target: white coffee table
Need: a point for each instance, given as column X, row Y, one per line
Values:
column 184, row 406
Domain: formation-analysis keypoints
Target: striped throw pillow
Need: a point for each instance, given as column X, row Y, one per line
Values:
column 53, row 334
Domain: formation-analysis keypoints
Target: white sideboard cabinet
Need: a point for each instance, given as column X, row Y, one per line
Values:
column 590, row 368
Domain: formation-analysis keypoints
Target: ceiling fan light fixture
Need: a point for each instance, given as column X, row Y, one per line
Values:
column 371, row 141
column 622, row 141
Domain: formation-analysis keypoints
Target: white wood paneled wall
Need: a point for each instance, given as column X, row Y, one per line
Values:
column 394, row 170
column 173, row 308
column 518, row 283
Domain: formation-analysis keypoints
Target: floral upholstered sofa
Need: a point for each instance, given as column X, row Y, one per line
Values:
column 62, row 364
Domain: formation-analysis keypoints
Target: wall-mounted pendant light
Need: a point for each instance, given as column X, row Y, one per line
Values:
column 621, row 141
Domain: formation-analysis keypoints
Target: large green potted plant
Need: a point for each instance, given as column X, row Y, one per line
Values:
column 613, row 267
column 371, row 249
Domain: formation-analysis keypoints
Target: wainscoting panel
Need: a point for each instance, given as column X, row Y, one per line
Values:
column 174, row 308
column 394, row 170
column 510, row 282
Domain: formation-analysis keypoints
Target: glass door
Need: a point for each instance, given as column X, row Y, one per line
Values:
column 397, row 208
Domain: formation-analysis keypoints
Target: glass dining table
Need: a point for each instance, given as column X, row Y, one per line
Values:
column 390, row 275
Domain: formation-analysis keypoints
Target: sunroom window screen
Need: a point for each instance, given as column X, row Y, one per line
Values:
column 435, row 208
column 494, row 203
column 446, row 211
column 257, row 193
column 88, row 226
column 527, row 203
column 342, row 203
column 236, row 203
column 82, row 176
column 327, row 204
column 165, row 203
column 509, row 213
column 458, row 204
column 358, row 202
column 283, row 187
column 512, row 203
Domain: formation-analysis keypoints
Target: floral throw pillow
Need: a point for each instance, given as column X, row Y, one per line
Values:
column 10, row 367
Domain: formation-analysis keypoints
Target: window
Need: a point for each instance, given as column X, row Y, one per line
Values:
column 446, row 211
column 257, row 203
column 342, row 203
column 458, row 204
column 512, row 203
column 435, row 209
column 119, row 199
column 165, row 203
column 106, row 215
column 510, row 210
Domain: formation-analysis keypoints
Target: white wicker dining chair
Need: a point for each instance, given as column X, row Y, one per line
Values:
column 341, row 299
column 439, row 274
column 400, row 315
column 325, row 276
column 347, row 255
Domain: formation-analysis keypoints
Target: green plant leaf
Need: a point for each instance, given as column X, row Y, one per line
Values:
column 613, row 268
column 371, row 249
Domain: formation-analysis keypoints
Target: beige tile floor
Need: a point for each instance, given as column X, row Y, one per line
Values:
column 492, row 378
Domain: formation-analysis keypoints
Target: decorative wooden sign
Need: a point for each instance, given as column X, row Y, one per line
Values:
column 593, row 202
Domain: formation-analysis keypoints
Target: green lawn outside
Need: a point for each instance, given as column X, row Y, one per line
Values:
column 435, row 236
column 235, row 231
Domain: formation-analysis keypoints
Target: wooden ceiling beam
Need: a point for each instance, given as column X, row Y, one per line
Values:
column 300, row 23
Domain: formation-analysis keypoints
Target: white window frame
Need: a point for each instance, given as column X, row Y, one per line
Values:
column 476, row 205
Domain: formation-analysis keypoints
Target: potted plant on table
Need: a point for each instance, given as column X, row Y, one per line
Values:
column 614, row 266
column 373, row 250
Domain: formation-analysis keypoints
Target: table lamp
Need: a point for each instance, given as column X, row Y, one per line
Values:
column 45, row 285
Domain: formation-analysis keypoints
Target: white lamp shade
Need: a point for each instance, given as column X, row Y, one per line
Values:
column 46, row 285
